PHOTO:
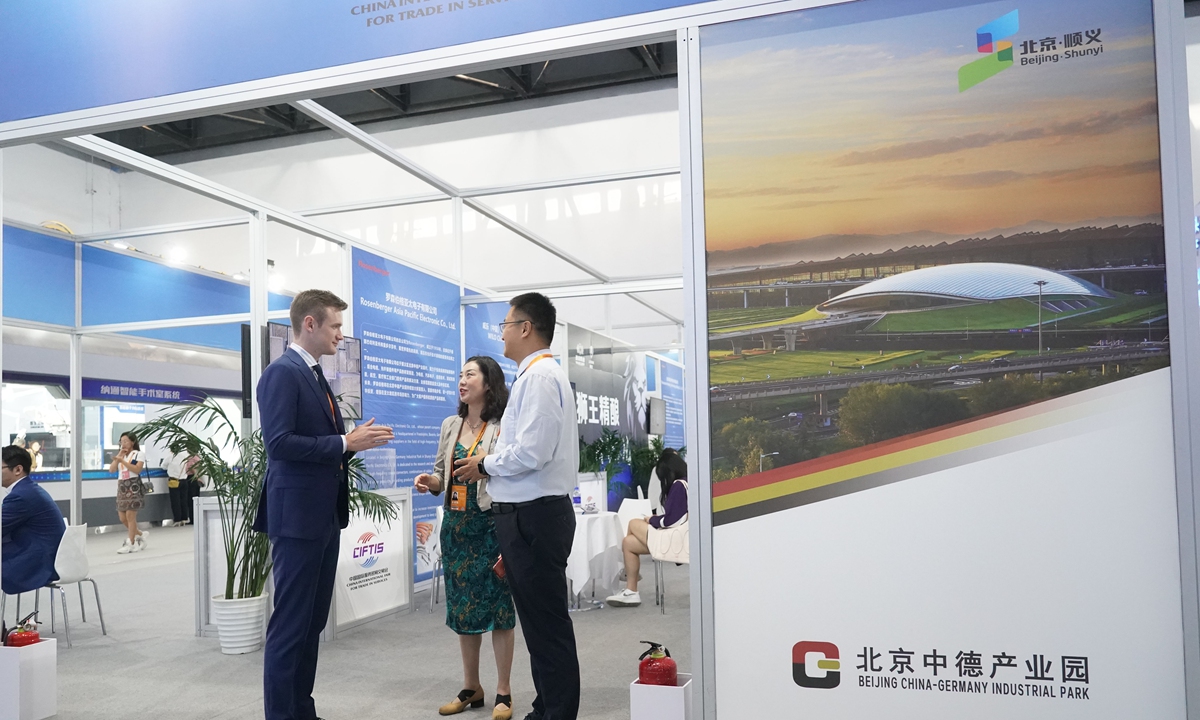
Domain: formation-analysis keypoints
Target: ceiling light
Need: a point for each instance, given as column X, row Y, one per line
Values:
column 176, row 255
column 120, row 245
column 239, row 277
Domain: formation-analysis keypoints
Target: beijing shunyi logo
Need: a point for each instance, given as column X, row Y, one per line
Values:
column 990, row 39
column 1002, row 54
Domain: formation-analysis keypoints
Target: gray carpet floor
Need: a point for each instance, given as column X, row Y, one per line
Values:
column 151, row 664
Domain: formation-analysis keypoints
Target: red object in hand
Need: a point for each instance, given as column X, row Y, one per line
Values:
column 21, row 638
column 657, row 667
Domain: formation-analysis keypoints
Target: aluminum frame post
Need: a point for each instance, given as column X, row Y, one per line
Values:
column 258, row 305
column 77, row 421
column 691, row 176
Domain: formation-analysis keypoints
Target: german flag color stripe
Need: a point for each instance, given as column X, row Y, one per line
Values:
column 901, row 458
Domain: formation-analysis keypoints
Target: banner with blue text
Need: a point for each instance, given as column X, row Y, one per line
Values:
column 408, row 324
column 481, row 332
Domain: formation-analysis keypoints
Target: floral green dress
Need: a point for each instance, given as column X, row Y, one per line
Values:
column 477, row 601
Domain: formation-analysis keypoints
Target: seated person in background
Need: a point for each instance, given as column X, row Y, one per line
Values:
column 672, row 474
column 31, row 524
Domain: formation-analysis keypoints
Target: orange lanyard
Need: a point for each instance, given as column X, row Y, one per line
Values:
column 477, row 439
column 534, row 361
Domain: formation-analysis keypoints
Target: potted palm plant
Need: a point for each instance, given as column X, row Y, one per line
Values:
column 203, row 430
column 642, row 461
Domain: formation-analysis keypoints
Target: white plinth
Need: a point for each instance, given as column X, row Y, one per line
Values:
column 29, row 681
column 659, row 702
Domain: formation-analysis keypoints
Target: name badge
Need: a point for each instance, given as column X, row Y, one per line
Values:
column 458, row 497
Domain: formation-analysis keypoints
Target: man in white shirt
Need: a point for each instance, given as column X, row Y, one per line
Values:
column 532, row 473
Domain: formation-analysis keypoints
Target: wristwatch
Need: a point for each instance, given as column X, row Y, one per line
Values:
column 482, row 471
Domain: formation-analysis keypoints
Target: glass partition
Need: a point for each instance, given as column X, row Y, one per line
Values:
column 622, row 228
column 496, row 257
column 38, row 417
column 614, row 134
column 298, row 261
column 422, row 233
column 308, row 175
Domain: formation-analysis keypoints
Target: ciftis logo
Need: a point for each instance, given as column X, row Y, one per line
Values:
column 825, row 673
column 990, row 39
column 367, row 550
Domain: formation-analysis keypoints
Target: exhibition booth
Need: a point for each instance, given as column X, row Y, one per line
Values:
column 894, row 272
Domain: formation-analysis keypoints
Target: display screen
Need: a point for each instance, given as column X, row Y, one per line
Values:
column 343, row 370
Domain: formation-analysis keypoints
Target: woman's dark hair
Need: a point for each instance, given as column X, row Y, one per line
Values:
column 670, row 468
column 495, row 397
column 132, row 440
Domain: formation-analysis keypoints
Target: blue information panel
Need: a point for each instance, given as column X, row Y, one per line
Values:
column 672, row 395
column 481, row 330
column 39, row 277
column 408, row 324
column 76, row 54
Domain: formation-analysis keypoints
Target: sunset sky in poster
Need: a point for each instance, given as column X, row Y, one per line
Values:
column 832, row 121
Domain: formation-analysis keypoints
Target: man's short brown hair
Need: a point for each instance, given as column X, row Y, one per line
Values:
column 316, row 303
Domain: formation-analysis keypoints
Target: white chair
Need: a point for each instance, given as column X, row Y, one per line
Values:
column 437, row 564
column 632, row 508
column 637, row 508
column 71, row 564
column 655, row 494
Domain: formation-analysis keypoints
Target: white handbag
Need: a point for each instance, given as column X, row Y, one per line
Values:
column 670, row 544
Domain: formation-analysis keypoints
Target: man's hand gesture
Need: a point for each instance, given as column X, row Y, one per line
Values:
column 367, row 436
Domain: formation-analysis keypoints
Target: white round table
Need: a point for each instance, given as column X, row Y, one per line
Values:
column 595, row 553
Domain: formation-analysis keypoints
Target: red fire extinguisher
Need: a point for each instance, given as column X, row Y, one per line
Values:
column 24, row 634
column 657, row 667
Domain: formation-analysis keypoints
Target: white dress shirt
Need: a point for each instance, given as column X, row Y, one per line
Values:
column 311, row 362
column 177, row 466
column 537, row 453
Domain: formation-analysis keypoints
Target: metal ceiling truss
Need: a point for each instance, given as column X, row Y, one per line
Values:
column 159, row 170
column 469, row 87
column 365, row 140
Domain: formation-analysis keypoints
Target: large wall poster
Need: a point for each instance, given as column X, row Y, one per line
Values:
column 610, row 385
column 408, row 324
column 938, row 356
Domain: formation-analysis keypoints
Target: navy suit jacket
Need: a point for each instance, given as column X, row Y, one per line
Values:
column 307, row 485
column 32, row 527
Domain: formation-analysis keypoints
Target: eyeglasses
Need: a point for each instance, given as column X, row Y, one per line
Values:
column 513, row 322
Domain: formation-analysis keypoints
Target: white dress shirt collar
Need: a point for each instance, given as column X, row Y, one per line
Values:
column 526, row 362
column 309, row 360
column 10, row 487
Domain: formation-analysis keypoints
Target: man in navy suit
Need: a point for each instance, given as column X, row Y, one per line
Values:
column 305, row 499
column 32, row 527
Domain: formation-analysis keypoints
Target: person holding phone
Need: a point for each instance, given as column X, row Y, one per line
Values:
column 477, row 597
column 128, row 464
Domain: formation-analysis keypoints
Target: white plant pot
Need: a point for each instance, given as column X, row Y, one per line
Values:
column 240, row 623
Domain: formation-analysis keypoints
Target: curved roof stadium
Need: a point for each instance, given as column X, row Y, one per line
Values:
column 963, row 283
